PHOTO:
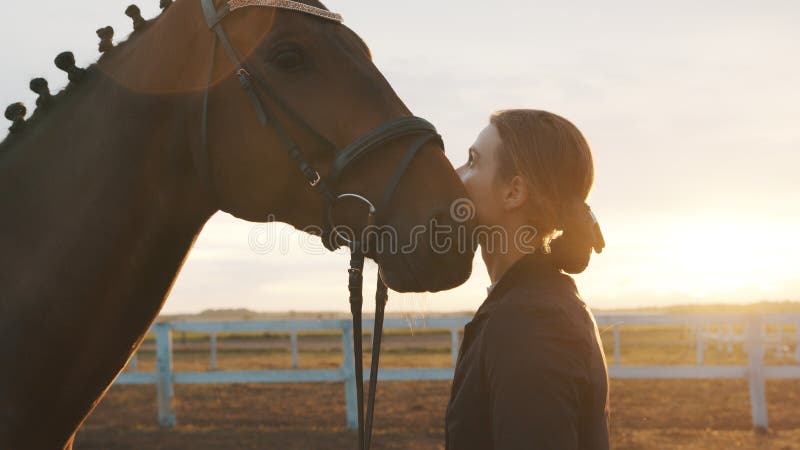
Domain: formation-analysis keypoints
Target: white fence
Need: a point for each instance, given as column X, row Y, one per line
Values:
column 753, row 340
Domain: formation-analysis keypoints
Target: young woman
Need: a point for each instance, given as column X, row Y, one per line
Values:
column 531, row 372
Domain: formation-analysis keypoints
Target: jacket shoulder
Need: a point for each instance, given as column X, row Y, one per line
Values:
column 553, row 300
column 551, row 312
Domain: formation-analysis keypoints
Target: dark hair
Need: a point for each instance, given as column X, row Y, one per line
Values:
column 555, row 161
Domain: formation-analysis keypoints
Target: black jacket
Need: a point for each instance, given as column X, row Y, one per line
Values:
column 531, row 372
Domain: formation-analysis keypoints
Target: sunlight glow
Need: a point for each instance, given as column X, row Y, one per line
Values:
column 717, row 258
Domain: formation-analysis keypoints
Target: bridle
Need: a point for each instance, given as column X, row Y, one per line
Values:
column 254, row 86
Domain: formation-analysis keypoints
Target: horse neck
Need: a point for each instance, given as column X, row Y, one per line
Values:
column 100, row 208
column 105, row 162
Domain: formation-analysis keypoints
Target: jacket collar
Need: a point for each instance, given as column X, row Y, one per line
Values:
column 531, row 267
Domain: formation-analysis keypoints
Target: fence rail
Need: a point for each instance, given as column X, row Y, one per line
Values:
column 754, row 339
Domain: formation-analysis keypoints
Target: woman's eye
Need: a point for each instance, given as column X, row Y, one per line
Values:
column 288, row 59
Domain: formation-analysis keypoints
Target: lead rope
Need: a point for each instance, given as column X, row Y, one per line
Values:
column 355, row 284
column 381, row 297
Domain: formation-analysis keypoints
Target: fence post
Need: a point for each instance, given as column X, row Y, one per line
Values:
column 213, row 345
column 617, row 345
column 166, row 413
column 294, row 349
column 755, row 372
column 349, row 372
column 699, row 344
column 729, row 338
column 797, row 342
column 454, row 345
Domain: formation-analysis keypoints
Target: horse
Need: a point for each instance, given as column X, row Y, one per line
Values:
column 106, row 186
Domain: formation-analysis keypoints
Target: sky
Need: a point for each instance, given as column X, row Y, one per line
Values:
column 691, row 109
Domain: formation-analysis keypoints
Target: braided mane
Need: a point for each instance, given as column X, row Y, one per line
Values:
column 16, row 112
column 77, row 76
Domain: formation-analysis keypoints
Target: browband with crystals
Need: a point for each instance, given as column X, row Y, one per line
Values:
column 287, row 4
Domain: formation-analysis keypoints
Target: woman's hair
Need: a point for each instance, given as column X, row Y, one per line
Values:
column 555, row 161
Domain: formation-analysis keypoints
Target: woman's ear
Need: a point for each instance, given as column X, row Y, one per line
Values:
column 516, row 193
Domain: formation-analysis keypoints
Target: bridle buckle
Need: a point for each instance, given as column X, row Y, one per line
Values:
column 244, row 77
column 316, row 180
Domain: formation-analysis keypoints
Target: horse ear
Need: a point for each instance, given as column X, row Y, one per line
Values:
column 40, row 86
column 165, row 4
column 105, row 34
column 16, row 114
column 66, row 62
column 135, row 13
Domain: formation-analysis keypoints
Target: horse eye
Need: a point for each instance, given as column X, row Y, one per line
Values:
column 288, row 59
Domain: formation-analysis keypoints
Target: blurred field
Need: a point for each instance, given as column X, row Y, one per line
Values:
column 646, row 414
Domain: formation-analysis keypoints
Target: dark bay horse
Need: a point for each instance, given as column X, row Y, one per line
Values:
column 101, row 199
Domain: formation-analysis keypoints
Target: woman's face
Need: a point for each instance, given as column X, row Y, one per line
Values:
column 478, row 175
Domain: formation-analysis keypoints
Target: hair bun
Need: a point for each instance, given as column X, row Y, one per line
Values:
column 598, row 241
column 580, row 234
